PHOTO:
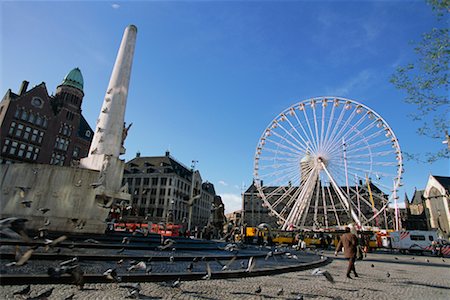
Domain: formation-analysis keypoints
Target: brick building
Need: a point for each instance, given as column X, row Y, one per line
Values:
column 36, row 127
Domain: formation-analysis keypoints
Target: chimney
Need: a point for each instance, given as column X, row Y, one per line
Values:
column 23, row 87
column 138, row 154
column 167, row 153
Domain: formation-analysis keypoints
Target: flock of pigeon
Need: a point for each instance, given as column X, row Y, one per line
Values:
column 14, row 228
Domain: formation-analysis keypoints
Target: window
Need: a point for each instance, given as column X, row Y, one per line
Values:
column 37, row 102
column 36, row 153
column 430, row 237
column 45, row 122
column 38, row 120
column 24, row 115
column 41, row 134
column 19, row 130
column 162, row 192
column 11, row 128
column 5, row 146
column 31, row 118
column 159, row 212
column 29, row 152
column 88, row 133
column 161, row 201
column 137, row 181
column 155, row 181
column 146, row 181
column 27, row 132
column 17, row 113
column 13, row 148
column 144, row 201
column 76, row 152
column 417, row 238
column 163, row 180
column 21, row 150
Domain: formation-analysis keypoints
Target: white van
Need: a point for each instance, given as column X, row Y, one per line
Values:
column 413, row 241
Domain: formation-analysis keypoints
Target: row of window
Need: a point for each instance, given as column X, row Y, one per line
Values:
column 57, row 159
column 27, row 133
column 61, row 143
column 20, row 150
column 65, row 129
column 30, row 117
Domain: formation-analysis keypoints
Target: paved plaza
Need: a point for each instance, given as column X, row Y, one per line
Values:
column 410, row 277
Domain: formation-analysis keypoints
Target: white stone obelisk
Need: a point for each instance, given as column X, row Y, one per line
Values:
column 110, row 131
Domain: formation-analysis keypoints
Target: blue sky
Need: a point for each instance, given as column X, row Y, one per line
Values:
column 209, row 76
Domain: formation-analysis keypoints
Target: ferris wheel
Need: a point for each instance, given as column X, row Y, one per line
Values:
column 327, row 162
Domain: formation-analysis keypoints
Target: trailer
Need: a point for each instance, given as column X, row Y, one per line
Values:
column 416, row 241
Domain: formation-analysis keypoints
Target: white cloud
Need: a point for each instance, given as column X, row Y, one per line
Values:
column 115, row 6
column 232, row 202
column 360, row 80
column 223, row 183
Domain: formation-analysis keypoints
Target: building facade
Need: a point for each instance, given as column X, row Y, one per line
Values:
column 437, row 200
column 255, row 213
column 36, row 127
column 165, row 190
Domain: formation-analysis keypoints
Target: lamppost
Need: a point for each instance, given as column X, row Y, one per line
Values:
column 192, row 198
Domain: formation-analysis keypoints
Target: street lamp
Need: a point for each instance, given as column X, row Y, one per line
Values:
column 191, row 204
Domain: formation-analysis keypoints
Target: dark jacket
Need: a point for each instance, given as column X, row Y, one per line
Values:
column 349, row 242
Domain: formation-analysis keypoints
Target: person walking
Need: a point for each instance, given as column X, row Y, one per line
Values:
column 349, row 242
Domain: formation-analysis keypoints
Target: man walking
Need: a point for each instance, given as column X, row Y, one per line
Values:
column 349, row 242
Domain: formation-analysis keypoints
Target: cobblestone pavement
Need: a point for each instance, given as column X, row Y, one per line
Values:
column 411, row 277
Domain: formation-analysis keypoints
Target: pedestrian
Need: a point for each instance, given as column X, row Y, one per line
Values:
column 349, row 242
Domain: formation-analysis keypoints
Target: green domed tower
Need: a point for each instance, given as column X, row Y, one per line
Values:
column 70, row 92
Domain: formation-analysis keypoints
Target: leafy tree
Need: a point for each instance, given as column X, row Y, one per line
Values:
column 426, row 82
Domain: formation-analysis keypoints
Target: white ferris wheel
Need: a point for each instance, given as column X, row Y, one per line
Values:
column 327, row 162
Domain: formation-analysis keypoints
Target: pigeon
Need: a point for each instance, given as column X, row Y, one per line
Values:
column 258, row 290
column 190, row 267
column 24, row 291
column 171, row 259
column 208, row 272
column 44, row 210
column 47, row 222
column 176, row 283
column 133, row 294
column 69, row 297
column 111, row 274
column 69, row 262
column 427, row 260
column 372, row 265
column 25, row 257
column 396, row 258
column 227, row 266
column 119, row 262
column 125, row 240
column 388, row 274
column 139, row 266
column 26, row 203
column 77, row 276
column 149, row 269
column 269, row 254
column 280, row 292
column 92, row 241
column 44, row 295
column 121, row 250
column 319, row 272
column 299, row 297
column 251, row 264
column 56, row 241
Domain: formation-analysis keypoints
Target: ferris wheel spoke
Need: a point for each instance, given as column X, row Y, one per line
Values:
column 333, row 206
column 330, row 120
column 290, row 219
column 318, row 142
column 377, row 154
column 314, row 142
column 350, row 130
column 277, row 165
column 277, row 152
column 283, row 197
column 300, row 147
column 316, row 204
column 304, row 144
column 284, row 146
column 309, row 142
column 338, row 137
column 364, row 139
column 339, row 127
column 322, row 127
